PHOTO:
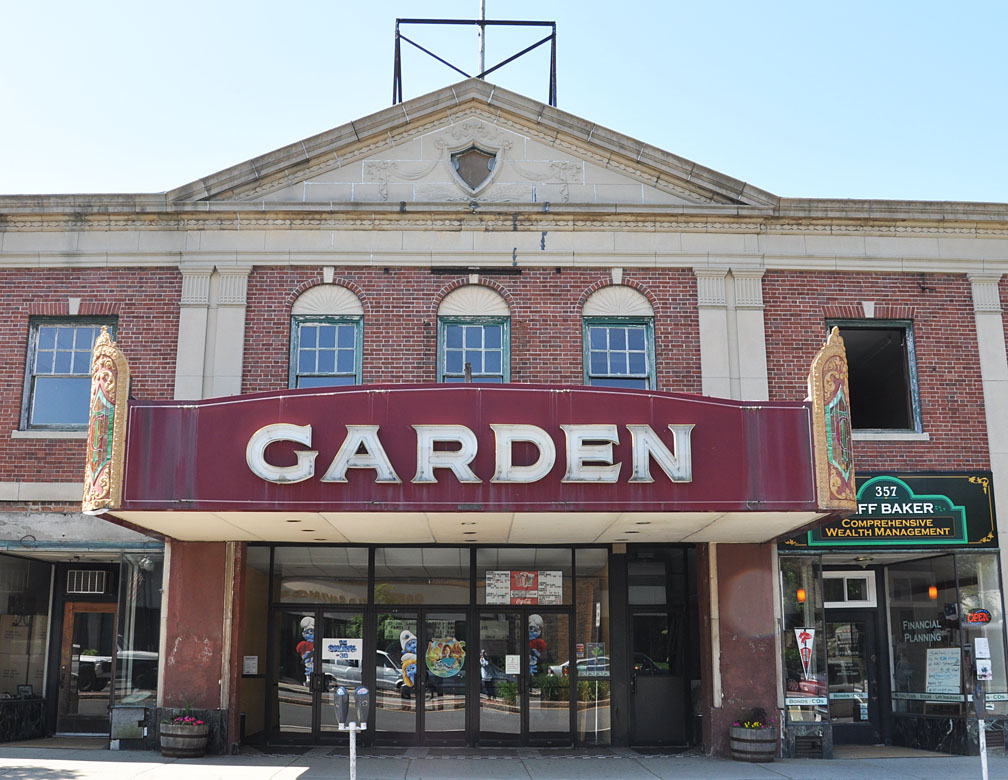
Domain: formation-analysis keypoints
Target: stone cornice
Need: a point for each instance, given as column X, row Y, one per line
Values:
column 236, row 216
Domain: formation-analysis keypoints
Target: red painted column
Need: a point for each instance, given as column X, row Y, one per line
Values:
column 746, row 629
column 194, row 640
column 237, row 631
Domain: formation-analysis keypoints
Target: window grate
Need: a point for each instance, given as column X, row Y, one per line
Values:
column 87, row 581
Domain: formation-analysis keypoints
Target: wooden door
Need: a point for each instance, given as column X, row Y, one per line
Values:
column 87, row 656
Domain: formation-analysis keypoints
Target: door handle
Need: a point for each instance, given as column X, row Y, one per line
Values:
column 633, row 682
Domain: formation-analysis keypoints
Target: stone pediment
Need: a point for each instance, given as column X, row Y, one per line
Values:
column 472, row 142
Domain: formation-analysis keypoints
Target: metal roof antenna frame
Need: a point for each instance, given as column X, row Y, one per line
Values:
column 397, row 83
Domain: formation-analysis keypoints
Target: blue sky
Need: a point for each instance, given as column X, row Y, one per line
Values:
column 848, row 100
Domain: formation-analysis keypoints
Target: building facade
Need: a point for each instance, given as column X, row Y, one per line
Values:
column 422, row 391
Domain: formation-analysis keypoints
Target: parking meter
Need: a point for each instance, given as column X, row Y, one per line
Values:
column 341, row 702
column 363, row 705
column 980, row 701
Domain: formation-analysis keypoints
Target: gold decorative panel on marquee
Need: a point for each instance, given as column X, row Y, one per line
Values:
column 106, row 447
column 831, row 426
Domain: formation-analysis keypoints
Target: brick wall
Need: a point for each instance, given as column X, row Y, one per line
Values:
column 797, row 306
column 400, row 322
column 400, row 332
column 145, row 301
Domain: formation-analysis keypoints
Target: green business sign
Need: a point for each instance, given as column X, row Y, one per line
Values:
column 912, row 510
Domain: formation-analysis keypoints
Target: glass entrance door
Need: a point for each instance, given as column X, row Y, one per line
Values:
column 525, row 693
column 314, row 652
column 86, row 657
column 852, row 674
column 422, row 669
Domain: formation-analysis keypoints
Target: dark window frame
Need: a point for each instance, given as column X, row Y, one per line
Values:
column 35, row 324
column 912, row 386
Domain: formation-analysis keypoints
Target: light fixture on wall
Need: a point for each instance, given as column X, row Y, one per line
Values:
column 933, row 592
column 800, row 595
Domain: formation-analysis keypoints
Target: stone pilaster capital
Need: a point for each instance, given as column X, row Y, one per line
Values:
column 986, row 292
column 711, row 286
column 195, row 286
column 233, row 285
column 748, row 288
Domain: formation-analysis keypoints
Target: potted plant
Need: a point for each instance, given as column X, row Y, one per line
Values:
column 753, row 737
column 184, row 736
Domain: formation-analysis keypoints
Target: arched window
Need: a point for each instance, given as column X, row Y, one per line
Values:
column 618, row 339
column 474, row 331
column 327, row 324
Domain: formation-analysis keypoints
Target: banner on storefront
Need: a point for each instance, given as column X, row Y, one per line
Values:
column 806, row 641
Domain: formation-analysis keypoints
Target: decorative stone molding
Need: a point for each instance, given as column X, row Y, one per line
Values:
column 986, row 295
column 479, row 133
column 473, row 300
column 748, row 289
column 868, row 307
column 617, row 300
column 711, row 287
column 328, row 299
column 233, row 286
column 380, row 172
column 562, row 172
column 195, row 286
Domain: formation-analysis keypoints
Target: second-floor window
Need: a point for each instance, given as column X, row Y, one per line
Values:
column 325, row 351
column 619, row 352
column 58, row 380
column 477, row 347
column 882, row 365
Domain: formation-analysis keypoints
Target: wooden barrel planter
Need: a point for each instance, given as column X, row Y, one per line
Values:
column 182, row 740
column 753, row 745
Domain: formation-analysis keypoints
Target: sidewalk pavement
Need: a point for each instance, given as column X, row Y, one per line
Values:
column 325, row 763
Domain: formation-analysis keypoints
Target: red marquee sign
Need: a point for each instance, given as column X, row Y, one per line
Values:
column 469, row 448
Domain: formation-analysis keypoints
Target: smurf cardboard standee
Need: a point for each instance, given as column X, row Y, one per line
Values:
column 408, row 642
column 306, row 647
column 537, row 645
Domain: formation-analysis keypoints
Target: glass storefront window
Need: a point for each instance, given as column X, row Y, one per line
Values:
column 806, row 684
column 421, row 575
column 523, row 575
column 592, row 647
column 925, row 642
column 24, row 622
column 320, row 575
column 981, row 617
column 138, row 637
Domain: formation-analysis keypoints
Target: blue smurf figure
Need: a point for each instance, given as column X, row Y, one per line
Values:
column 537, row 645
column 408, row 643
column 306, row 647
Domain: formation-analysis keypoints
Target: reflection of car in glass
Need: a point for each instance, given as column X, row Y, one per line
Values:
column 348, row 673
column 599, row 667
column 94, row 671
column 814, row 687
